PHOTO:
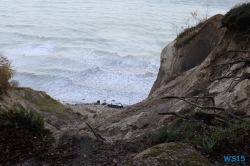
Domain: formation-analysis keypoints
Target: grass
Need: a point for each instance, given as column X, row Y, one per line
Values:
column 41, row 100
column 22, row 136
column 185, row 36
column 212, row 140
column 23, row 118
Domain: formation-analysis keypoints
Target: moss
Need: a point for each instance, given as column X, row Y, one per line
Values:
column 199, row 159
column 170, row 154
column 156, row 152
column 176, row 147
column 159, row 150
column 238, row 18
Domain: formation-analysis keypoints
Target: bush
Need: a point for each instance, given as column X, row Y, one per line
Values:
column 5, row 74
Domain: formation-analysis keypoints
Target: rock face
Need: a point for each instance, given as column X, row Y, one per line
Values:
column 188, row 50
column 171, row 154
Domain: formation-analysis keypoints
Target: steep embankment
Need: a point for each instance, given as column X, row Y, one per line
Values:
column 217, row 76
column 58, row 118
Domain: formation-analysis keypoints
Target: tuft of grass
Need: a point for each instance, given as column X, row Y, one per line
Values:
column 96, row 148
column 24, row 118
column 208, row 144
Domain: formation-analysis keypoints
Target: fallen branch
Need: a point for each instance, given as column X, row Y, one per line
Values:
column 98, row 136
column 222, row 121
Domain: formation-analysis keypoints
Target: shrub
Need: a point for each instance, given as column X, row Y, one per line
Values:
column 5, row 74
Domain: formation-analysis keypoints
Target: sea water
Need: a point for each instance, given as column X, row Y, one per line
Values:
column 81, row 51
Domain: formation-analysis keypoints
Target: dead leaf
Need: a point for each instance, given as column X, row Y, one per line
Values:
column 11, row 114
column 115, row 161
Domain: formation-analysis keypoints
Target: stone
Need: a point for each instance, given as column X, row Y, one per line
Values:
column 171, row 154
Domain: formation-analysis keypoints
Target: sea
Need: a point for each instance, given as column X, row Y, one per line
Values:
column 81, row 51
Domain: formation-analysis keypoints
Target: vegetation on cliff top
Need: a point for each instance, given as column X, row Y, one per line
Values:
column 185, row 36
column 238, row 18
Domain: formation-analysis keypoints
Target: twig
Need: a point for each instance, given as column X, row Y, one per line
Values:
column 221, row 120
column 173, row 113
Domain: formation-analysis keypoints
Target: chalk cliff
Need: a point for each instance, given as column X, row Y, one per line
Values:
column 189, row 69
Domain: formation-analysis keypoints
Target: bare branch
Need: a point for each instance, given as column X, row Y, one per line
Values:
column 221, row 120
column 204, row 107
column 194, row 104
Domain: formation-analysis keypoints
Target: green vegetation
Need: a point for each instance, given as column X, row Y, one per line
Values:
column 238, row 18
column 214, row 140
column 96, row 148
column 185, row 36
column 41, row 100
column 23, row 118
column 22, row 135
